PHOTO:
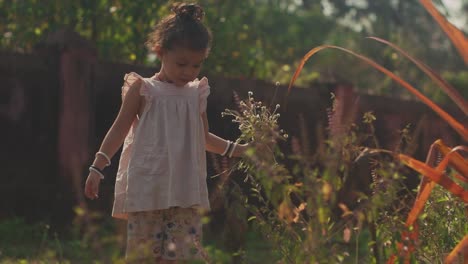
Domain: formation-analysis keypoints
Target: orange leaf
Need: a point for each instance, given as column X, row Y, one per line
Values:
column 461, row 248
column 392, row 259
column 456, row 36
column 454, row 158
column 444, row 115
column 425, row 190
column 446, row 87
column 461, row 178
column 435, row 175
column 303, row 61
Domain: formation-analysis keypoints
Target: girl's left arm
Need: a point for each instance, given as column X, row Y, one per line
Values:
column 216, row 144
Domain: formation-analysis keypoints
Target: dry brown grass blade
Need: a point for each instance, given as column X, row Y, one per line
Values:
column 461, row 250
column 456, row 36
column 446, row 87
column 461, row 178
column 444, row 115
column 435, row 175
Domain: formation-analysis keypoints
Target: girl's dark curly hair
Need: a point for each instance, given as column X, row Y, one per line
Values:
column 183, row 28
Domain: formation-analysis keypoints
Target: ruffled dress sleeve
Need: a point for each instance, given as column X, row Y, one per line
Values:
column 203, row 92
column 129, row 79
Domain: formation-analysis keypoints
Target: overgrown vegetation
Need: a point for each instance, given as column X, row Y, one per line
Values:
column 303, row 206
column 308, row 210
column 300, row 208
column 23, row 242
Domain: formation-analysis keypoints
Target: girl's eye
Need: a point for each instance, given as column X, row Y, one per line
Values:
column 181, row 64
column 197, row 66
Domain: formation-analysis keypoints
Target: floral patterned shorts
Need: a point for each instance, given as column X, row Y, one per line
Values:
column 171, row 234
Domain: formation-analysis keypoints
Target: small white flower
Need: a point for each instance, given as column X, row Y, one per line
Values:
column 171, row 246
column 250, row 93
column 113, row 9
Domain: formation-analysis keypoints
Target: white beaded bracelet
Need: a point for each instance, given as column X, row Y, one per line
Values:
column 105, row 156
column 96, row 170
column 232, row 149
column 228, row 146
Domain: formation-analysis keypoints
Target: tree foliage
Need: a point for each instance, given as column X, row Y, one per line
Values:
column 262, row 39
column 408, row 25
column 255, row 39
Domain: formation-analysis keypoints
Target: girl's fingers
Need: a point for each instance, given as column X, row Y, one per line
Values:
column 95, row 192
column 91, row 189
column 86, row 189
column 95, row 188
column 88, row 192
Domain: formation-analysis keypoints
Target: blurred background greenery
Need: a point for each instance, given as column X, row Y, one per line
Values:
column 262, row 39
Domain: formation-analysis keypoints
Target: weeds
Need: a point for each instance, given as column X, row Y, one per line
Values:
column 303, row 209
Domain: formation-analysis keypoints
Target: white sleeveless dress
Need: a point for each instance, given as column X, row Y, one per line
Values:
column 163, row 161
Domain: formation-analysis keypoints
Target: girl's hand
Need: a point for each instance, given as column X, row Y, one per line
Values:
column 92, row 185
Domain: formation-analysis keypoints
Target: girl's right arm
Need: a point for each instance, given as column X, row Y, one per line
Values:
column 115, row 136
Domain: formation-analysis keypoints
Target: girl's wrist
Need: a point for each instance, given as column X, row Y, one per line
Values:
column 233, row 149
column 95, row 170
column 93, row 173
column 101, row 162
column 104, row 156
column 98, row 165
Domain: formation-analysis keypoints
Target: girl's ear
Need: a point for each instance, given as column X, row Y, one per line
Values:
column 158, row 50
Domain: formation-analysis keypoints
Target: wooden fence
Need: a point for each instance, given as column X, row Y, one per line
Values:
column 57, row 104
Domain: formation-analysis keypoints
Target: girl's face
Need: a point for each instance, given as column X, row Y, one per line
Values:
column 180, row 65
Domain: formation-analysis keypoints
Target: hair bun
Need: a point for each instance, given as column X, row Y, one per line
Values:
column 193, row 11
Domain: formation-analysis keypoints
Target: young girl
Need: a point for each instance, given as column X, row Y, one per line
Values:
column 161, row 180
